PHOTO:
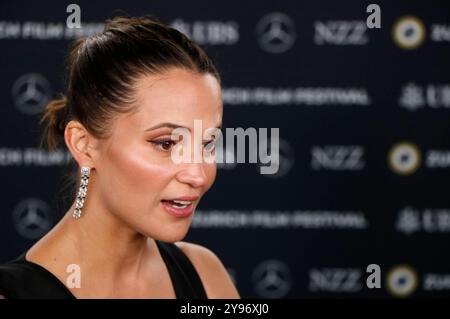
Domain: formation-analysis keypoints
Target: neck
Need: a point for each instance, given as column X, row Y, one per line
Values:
column 99, row 236
column 113, row 258
column 101, row 243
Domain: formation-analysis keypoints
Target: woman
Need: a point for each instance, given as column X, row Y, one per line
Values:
column 128, row 88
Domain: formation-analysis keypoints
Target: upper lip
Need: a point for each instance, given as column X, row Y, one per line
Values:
column 186, row 198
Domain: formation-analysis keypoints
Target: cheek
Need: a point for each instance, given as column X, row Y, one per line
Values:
column 133, row 178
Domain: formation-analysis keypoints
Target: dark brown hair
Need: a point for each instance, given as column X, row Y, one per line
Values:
column 101, row 71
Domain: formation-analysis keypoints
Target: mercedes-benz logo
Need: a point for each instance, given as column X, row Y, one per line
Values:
column 223, row 154
column 31, row 218
column 272, row 279
column 286, row 159
column 31, row 93
column 276, row 32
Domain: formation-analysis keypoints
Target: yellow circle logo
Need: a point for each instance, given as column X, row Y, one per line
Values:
column 404, row 158
column 408, row 32
column 401, row 281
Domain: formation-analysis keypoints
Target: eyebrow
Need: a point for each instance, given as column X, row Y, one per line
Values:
column 166, row 124
column 172, row 125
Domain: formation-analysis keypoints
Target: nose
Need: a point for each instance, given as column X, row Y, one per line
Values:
column 193, row 174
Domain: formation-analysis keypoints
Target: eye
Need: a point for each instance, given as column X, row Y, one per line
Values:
column 209, row 145
column 164, row 145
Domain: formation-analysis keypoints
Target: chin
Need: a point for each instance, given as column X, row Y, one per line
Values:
column 169, row 233
column 171, row 238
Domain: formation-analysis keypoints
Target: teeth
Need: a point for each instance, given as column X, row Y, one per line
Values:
column 179, row 206
column 182, row 202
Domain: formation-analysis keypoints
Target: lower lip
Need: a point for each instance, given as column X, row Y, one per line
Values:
column 182, row 212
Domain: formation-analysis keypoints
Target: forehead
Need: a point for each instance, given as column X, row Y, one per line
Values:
column 178, row 96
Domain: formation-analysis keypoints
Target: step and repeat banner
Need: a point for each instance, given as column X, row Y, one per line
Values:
column 360, row 92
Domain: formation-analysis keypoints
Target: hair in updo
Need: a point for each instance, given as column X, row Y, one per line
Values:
column 101, row 71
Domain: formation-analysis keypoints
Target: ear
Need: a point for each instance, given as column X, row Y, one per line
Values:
column 80, row 143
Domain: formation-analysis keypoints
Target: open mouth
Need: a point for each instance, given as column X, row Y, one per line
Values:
column 178, row 204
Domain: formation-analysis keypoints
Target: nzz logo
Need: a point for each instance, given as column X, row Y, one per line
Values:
column 337, row 157
column 340, row 33
column 343, row 279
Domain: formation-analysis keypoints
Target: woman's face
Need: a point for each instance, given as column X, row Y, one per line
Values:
column 135, row 172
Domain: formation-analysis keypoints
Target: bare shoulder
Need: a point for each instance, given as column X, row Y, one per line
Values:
column 2, row 297
column 212, row 272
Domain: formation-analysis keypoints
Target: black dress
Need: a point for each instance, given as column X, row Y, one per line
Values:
column 26, row 280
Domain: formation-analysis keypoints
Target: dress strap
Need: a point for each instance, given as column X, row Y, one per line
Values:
column 185, row 279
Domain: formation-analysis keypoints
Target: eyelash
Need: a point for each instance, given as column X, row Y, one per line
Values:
column 158, row 144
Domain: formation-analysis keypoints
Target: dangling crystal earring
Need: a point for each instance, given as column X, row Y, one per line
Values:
column 82, row 191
